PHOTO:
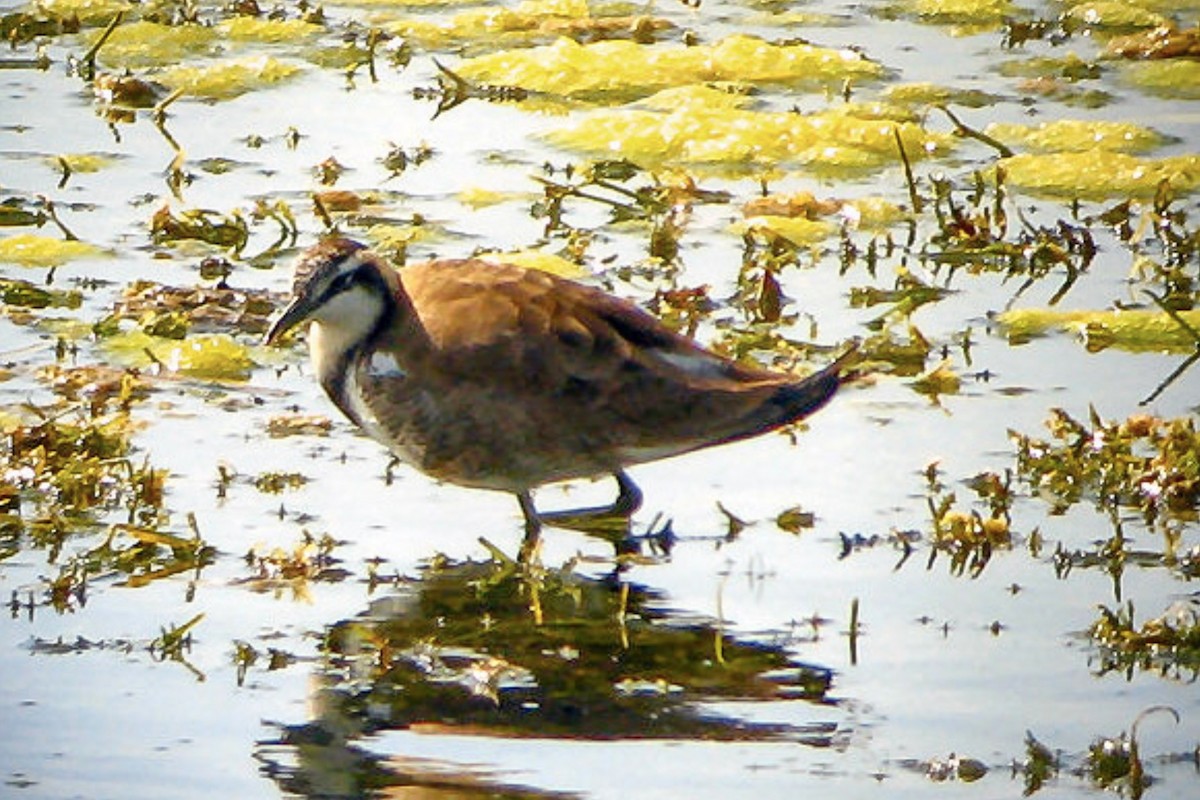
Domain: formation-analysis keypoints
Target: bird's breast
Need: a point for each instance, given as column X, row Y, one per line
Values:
column 379, row 395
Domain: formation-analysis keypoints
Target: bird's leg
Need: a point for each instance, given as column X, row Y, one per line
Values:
column 629, row 499
column 533, row 527
column 593, row 518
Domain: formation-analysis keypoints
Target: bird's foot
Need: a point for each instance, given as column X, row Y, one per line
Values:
column 612, row 521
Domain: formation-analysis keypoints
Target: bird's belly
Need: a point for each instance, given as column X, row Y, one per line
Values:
column 465, row 438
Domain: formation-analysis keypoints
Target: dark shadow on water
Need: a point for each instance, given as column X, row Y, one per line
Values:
column 504, row 650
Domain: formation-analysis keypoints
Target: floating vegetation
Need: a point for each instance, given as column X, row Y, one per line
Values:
column 955, row 768
column 798, row 231
column 975, row 13
column 968, row 537
column 700, row 126
column 1175, row 78
column 1069, row 67
column 143, row 44
column 1111, row 763
column 501, row 650
column 257, row 29
column 1167, row 645
column 1097, row 174
column 74, row 466
column 630, row 194
column 1136, row 330
column 279, row 482
column 1114, row 15
column 930, row 94
column 65, row 476
column 940, row 380
column 175, row 311
column 221, row 230
column 100, row 386
column 31, row 250
column 1143, row 462
column 311, row 560
column 1076, row 136
column 228, row 79
column 1039, row 765
column 524, row 23
column 24, row 294
column 863, row 212
column 623, row 70
column 124, row 92
column 81, row 162
column 215, row 356
column 298, row 425
column 1115, row 762
column 1165, row 41
column 139, row 554
column 85, row 12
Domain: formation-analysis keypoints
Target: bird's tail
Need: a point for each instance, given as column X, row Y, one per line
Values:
column 795, row 401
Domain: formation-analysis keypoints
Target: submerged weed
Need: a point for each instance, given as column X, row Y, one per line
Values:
column 1168, row 645
column 968, row 537
column 1144, row 462
column 312, row 559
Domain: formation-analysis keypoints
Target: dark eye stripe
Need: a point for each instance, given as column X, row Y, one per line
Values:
column 343, row 282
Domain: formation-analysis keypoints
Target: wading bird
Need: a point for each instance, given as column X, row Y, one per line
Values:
column 499, row 377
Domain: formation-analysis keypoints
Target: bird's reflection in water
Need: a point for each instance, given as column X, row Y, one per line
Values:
column 504, row 649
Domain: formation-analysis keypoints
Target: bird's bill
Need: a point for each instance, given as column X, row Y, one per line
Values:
column 295, row 313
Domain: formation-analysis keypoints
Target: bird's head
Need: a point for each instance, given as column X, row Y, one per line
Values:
column 340, row 285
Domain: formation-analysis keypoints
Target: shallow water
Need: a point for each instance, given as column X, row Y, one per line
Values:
column 943, row 664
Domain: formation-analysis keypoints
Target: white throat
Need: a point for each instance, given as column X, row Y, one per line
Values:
column 340, row 325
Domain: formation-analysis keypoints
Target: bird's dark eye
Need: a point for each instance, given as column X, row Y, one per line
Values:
column 341, row 283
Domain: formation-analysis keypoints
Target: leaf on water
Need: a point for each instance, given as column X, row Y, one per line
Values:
column 1118, row 14
column 481, row 197
column 529, row 20
column 957, row 12
column 279, row 482
column 82, row 162
column 1176, row 78
column 627, row 69
column 709, row 127
column 285, row 425
column 927, row 94
column 142, row 44
column 16, row 292
column 940, row 380
column 226, row 80
column 209, row 356
column 1076, row 136
column 799, row 231
column 1165, row 41
column 30, row 250
column 795, row 520
column 865, row 212
column 1097, row 174
column 872, row 212
column 1069, row 67
column 88, row 12
column 393, row 238
column 256, row 29
column 407, row 4
column 1138, row 330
